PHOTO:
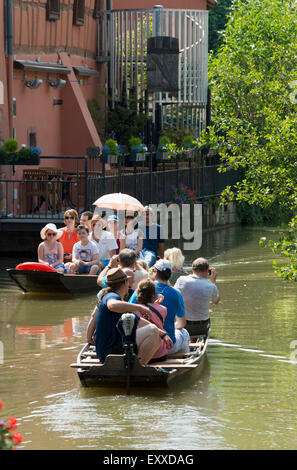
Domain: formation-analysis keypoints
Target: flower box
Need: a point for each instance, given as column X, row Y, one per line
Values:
column 188, row 154
column 33, row 160
column 162, row 155
column 137, row 157
column 109, row 158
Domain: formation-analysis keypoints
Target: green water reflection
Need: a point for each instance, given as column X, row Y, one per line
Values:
column 244, row 397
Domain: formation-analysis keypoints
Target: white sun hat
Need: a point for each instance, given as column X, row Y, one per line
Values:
column 50, row 227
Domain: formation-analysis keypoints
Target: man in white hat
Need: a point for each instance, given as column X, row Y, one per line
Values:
column 173, row 301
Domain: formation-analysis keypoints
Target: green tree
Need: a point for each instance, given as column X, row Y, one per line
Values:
column 254, row 108
column 218, row 17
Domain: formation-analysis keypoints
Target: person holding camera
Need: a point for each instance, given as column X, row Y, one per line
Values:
column 198, row 292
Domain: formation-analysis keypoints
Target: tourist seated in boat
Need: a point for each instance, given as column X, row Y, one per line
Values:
column 176, row 316
column 143, row 264
column 176, row 258
column 127, row 258
column 69, row 233
column 91, row 328
column 50, row 251
column 104, row 240
column 198, row 291
column 146, row 295
column 153, row 241
column 131, row 236
column 111, row 307
column 113, row 227
column 85, row 255
column 86, row 219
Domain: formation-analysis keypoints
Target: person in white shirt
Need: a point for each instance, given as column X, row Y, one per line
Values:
column 131, row 237
column 105, row 241
column 85, row 254
column 198, row 292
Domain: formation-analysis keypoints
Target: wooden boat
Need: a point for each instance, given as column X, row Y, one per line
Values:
column 31, row 281
column 114, row 371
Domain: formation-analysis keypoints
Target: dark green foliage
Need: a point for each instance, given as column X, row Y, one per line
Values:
column 254, row 106
column 10, row 146
column 124, row 121
column 218, row 17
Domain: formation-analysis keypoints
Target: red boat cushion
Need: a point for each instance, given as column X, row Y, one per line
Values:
column 35, row 267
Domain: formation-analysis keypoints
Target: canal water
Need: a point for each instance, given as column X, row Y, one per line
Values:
column 244, row 396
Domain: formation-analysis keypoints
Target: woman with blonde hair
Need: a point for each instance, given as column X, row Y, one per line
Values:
column 69, row 233
column 176, row 258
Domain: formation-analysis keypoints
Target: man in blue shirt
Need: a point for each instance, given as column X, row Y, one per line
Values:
column 111, row 306
column 176, row 316
column 153, row 242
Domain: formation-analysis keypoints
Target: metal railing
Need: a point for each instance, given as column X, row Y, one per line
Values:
column 122, row 38
column 152, row 183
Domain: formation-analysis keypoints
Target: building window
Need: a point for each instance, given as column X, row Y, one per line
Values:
column 1, row 93
column 97, row 9
column 14, row 108
column 53, row 10
column 32, row 137
column 79, row 12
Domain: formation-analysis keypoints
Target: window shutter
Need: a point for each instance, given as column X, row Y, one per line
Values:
column 53, row 10
column 97, row 9
column 79, row 12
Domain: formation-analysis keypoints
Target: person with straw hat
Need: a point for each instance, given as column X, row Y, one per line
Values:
column 51, row 251
column 111, row 307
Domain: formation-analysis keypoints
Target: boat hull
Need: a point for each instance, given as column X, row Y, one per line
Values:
column 113, row 372
column 47, row 282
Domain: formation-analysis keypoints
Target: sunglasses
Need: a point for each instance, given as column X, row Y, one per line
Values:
column 51, row 234
column 68, row 217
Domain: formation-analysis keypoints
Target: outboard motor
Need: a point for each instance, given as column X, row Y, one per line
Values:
column 127, row 327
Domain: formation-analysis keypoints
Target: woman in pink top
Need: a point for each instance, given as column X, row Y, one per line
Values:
column 146, row 295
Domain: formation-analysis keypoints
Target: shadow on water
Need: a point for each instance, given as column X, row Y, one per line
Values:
column 193, row 380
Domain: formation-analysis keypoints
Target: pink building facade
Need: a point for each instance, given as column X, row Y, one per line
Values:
column 49, row 74
column 50, row 70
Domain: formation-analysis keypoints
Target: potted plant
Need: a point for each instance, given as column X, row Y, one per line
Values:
column 183, row 194
column 110, row 151
column 189, row 144
column 162, row 151
column 25, row 156
column 138, row 150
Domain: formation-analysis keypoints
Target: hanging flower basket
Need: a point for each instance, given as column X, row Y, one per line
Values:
column 188, row 154
column 162, row 155
column 162, row 152
column 137, row 157
column 138, row 150
column 15, row 160
column 25, row 156
column 109, row 158
column 189, row 146
column 110, row 152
